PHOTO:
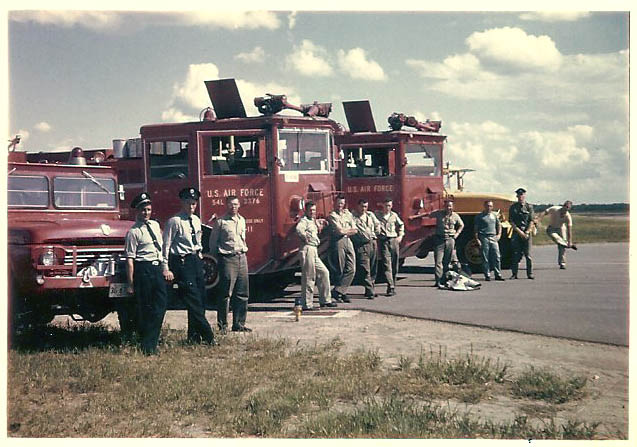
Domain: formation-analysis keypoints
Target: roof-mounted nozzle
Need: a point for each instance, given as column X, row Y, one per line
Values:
column 77, row 157
column 275, row 103
column 398, row 120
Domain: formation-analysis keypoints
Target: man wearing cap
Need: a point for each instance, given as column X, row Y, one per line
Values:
column 182, row 255
column 365, row 246
column 449, row 225
column 313, row 271
column 145, row 273
column 341, row 250
column 560, row 220
column 522, row 221
column 228, row 245
column 391, row 232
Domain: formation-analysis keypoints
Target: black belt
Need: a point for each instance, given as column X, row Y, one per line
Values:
column 231, row 255
column 148, row 262
column 185, row 256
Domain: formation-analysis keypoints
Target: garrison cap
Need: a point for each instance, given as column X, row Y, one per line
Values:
column 189, row 193
column 520, row 191
column 141, row 200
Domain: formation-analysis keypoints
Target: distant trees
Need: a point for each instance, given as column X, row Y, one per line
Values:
column 590, row 208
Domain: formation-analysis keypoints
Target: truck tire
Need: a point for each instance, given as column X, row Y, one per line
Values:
column 467, row 249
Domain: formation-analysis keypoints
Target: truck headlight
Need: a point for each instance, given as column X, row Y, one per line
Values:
column 48, row 258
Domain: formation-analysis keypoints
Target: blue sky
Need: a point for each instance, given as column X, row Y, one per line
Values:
column 529, row 99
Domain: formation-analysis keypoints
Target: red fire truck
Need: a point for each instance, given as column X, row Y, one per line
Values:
column 65, row 239
column 404, row 164
column 272, row 163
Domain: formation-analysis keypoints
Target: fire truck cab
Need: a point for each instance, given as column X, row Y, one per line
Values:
column 65, row 240
column 272, row 163
column 404, row 165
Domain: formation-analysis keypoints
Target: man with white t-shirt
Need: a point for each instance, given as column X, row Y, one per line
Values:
column 560, row 220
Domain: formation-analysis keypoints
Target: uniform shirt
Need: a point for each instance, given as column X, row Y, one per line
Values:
column 367, row 224
column 556, row 220
column 139, row 243
column 228, row 235
column 446, row 225
column 521, row 215
column 339, row 222
column 308, row 231
column 486, row 224
column 390, row 225
column 178, row 236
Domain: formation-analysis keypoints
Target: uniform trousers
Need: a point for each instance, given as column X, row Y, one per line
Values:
column 521, row 246
column 343, row 262
column 389, row 249
column 188, row 271
column 490, row 251
column 234, row 287
column 151, row 301
column 557, row 235
column 313, row 271
column 367, row 264
column 444, row 248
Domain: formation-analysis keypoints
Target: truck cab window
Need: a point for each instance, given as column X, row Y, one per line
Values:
column 368, row 162
column 168, row 160
column 423, row 159
column 232, row 155
column 304, row 150
column 83, row 192
column 28, row 191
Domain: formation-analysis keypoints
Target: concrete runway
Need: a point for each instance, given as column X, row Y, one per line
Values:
column 588, row 301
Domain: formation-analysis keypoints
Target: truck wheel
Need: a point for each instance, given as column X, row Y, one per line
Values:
column 210, row 271
column 468, row 252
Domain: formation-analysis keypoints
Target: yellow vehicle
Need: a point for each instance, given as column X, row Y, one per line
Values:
column 470, row 204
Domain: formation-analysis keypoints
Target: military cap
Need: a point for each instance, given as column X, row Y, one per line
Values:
column 140, row 200
column 520, row 191
column 189, row 193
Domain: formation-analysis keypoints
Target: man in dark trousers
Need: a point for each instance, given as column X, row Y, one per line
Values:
column 522, row 221
column 145, row 273
column 228, row 246
column 182, row 250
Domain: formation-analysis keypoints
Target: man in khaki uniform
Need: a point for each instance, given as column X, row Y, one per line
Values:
column 560, row 220
column 449, row 225
column 341, row 250
column 365, row 246
column 312, row 268
column 392, row 230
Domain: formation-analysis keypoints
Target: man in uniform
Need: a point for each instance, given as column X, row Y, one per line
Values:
column 182, row 253
column 449, row 225
column 391, row 232
column 560, row 219
column 146, row 274
column 341, row 250
column 312, row 268
column 365, row 246
column 522, row 221
column 488, row 230
column 228, row 246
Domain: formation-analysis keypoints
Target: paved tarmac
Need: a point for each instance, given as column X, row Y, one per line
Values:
column 588, row 301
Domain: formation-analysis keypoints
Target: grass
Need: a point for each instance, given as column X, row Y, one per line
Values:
column 89, row 382
column 590, row 229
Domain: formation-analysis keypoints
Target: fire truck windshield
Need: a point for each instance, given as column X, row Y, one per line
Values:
column 28, row 191
column 84, row 192
column 304, row 150
column 368, row 162
column 423, row 159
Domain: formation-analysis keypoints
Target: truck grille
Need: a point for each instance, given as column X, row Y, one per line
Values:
column 89, row 256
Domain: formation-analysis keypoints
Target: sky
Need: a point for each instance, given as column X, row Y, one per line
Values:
column 532, row 99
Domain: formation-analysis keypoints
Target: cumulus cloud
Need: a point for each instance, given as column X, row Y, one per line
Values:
column 257, row 55
column 110, row 21
column 42, row 126
column 357, row 65
column 174, row 115
column 309, row 59
column 554, row 16
column 512, row 48
column 292, row 20
column 192, row 90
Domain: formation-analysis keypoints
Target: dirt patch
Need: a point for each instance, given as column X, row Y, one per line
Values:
column 605, row 366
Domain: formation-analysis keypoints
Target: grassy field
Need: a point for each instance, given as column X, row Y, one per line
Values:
column 88, row 382
column 589, row 228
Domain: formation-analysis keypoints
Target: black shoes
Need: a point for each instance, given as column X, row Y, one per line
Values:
column 562, row 267
column 340, row 297
column 487, row 278
column 514, row 276
column 530, row 276
column 241, row 329
column 390, row 291
column 369, row 296
column 574, row 247
column 331, row 304
column 499, row 278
